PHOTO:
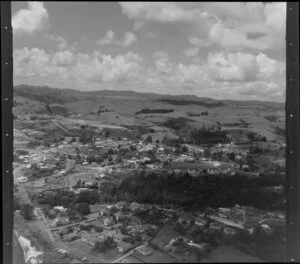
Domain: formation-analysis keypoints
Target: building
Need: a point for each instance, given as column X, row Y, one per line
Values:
column 185, row 221
column 200, row 222
column 120, row 205
column 229, row 231
column 215, row 227
column 59, row 208
column 135, row 206
column 267, row 229
column 115, row 233
column 224, row 210
column 144, row 250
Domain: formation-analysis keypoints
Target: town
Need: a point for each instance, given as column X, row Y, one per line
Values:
column 104, row 193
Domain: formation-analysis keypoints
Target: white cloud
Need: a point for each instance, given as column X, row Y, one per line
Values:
column 262, row 90
column 234, row 26
column 275, row 16
column 269, row 67
column 105, row 68
column 108, row 39
column 191, row 52
column 63, row 58
column 95, row 67
column 233, row 67
column 243, row 67
column 129, row 39
column 199, row 42
column 196, row 43
column 34, row 62
column 31, row 20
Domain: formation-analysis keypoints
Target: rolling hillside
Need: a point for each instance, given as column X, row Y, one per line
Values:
column 120, row 108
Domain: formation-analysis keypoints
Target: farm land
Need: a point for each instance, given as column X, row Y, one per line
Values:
column 122, row 177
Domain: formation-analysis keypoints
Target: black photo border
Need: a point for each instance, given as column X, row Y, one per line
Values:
column 292, row 133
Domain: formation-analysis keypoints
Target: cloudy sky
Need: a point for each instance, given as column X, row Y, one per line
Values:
column 220, row 50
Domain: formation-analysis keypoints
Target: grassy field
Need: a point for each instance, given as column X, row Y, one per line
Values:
column 229, row 254
column 18, row 255
column 155, row 257
column 125, row 104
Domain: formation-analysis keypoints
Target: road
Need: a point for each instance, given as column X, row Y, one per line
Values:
column 280, row 221
column 127, row 254
column 18, row 253
column 58, row 125
column 226, row 222
column 41, row 217
column 23, row 194
column 42, row 223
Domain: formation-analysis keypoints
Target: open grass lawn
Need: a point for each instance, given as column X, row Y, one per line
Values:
column 164, row 236
column 156, row 257
column 18, row 255
column 230, row 254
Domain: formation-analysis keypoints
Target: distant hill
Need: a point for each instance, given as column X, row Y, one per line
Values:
column 128, row 108
column 47, row 94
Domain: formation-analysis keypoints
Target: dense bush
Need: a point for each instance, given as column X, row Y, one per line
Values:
column 205, row 136
column 89, row 197
column 106, row 244
column 197, row 192
column 271, row 118
column 177, row 123
column 280, row 131
column 83, row 209
column 150, row 111
column 190, row 102
column 27, row 211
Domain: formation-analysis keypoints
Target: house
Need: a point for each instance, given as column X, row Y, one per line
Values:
column 144, row 250
column 22, row 179
column 224, row 210
column 62, row 220
column 267, row 229
column 121, row 204
column 202, row 247
column 119, row 216
column 59, row 208
column 135, row 206
column 62, row 251
column 90, row 239
column 115, row 233
column 200, row 222
column 229, row 231
column 215, row 227
column 104, row 212
column 185, row 221
column 123, row 246
column 213, row 171
column 108, row 221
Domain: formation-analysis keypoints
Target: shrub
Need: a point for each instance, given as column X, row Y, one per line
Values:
column 27, row 211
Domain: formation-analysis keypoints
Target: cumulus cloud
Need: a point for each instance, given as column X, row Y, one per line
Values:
column 196, row 43
column 108, row 39
column 63, row 58
column 60, row 41
column 228, row 25
column 95, row 67
column 199, row 42
column 31, row 20
column 262, row 89
column 243, row 66
column 105, row 68
column 191, row 52
column 31, row 62
column 128, row 39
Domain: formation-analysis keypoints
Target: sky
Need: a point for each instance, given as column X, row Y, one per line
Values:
column 221, row 50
